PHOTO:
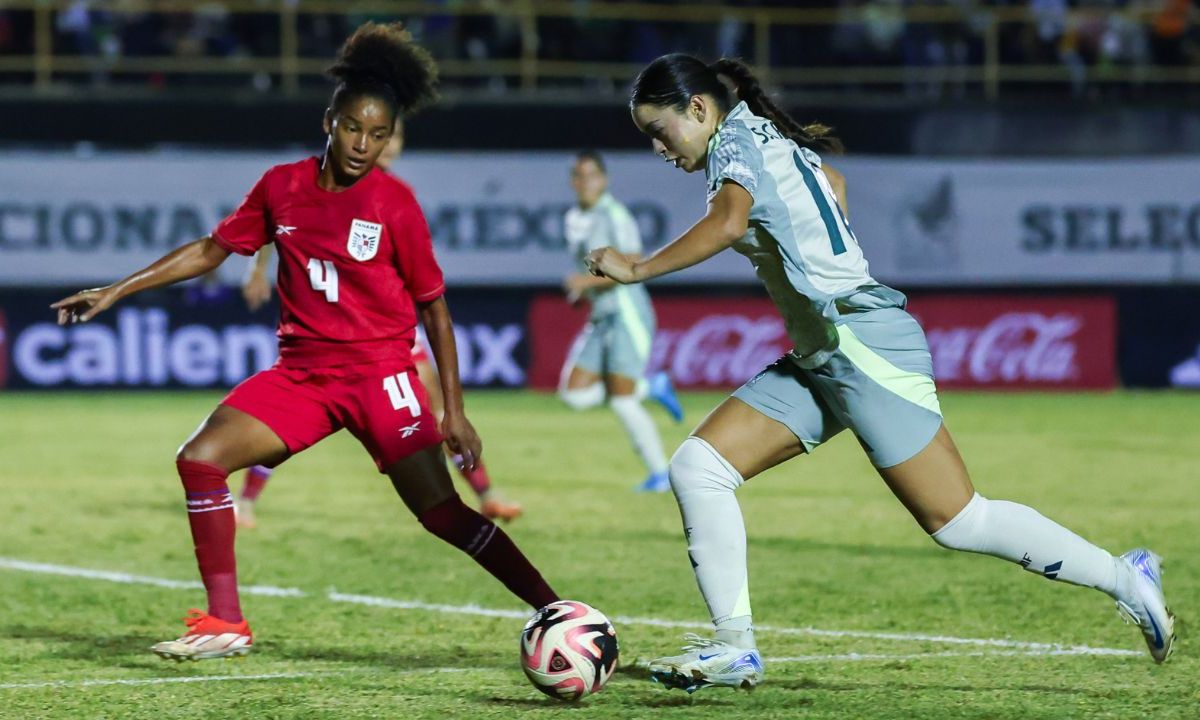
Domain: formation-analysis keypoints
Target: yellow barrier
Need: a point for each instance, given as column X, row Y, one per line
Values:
column 529, row 69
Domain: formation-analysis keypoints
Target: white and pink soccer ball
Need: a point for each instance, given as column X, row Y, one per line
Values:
column 569, row 650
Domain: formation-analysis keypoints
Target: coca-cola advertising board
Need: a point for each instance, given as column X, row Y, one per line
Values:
column 703, row 342
column 1020, row 342
column 977, row 341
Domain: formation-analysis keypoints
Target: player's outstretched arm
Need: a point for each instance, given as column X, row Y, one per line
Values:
column 460, row 436
column 185, row 262
column 727, row 219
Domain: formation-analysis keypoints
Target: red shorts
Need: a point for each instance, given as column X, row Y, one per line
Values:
column 387, row 411
column 419, row 353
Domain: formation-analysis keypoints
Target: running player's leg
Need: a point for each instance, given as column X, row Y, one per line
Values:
column 893, row 408
column 775, row 416
column 399, row 431
column 253, row 482
column 936, row 489
column 734, row 443
column 227, row 440
column 423, row 483
column 262, row 421
column 626, row 356
column 489, row 504
column 640, row 428
column 580, row 385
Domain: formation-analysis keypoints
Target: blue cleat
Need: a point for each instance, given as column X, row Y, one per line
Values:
column 658, row 482
column 660, row 389
column 1149, row 608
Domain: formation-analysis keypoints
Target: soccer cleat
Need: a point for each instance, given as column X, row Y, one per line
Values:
column 207, row 637
column 1150, row 613
column 499, row 510
column 660, row 389
column 659, row 482
column 243, row 514
column 705, row 663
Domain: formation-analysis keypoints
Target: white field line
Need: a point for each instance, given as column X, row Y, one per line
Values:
column 154, row 681
column 1034, row 648
column 209, row 678
column 861, row 657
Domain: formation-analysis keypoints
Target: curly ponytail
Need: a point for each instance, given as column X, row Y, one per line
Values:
column 383, row 61
column 672, row 80
column 749, row 90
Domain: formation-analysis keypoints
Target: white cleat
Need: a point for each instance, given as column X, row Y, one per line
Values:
column 207, row 637
column 705, row 663
column 1150, row 613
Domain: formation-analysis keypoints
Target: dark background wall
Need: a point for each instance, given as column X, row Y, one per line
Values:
column 1039, row 128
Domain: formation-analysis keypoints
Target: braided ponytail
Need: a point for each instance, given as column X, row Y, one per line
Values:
column 748, row 89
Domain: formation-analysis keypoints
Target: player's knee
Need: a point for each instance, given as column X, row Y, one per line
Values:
column 961, row 530
column 697, row 466
column 582, row 398
column 198, row 449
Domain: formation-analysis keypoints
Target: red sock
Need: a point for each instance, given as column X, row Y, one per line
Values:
column 210, row 514
column 479, row 537
column 478, row 478
column 256, row 480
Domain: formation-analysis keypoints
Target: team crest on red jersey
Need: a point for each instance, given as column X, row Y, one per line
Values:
column 364, row 239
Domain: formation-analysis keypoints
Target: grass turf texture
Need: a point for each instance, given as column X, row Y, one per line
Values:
column 89, row 482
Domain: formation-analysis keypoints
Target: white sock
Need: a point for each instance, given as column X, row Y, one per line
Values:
column 582, row 398
column 641, row 430
column 1040, row 545
column 704, row 485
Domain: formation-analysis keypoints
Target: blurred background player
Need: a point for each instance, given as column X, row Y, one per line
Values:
column 860, row 361
column 356, row 272
column 610, row 356
column 257, row 291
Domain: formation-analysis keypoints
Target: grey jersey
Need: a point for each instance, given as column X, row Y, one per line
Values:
column 799, row 241
column 606, row 224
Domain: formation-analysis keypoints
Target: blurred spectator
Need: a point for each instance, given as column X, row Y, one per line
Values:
column 1170, row 30
column 1090, row 38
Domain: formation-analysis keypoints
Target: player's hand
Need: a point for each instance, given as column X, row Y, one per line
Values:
column 256, row 290
column 460, row 436
column 575, row 286
column 607, row 262
column 84, row 305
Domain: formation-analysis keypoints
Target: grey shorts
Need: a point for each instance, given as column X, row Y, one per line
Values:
column 617, row 344
column 879, row 383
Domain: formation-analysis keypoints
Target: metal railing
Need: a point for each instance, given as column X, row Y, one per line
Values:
column 768, row 28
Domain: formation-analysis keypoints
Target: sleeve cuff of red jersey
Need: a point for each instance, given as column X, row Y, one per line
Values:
column 230, row 247
column 431, row 295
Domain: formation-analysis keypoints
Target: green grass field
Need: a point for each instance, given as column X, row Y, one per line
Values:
column 90, row 485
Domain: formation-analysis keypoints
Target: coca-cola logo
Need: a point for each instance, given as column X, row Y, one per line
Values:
column 1011, row 348
column 719, row 350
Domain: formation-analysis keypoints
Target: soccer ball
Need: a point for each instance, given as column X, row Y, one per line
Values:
column 568, row 650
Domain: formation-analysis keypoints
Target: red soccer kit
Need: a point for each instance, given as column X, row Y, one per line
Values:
column 352, row 266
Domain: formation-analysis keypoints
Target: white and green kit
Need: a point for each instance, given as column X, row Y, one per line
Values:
column 859, row 360
column 620, row 330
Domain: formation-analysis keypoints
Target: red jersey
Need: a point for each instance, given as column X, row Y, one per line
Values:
column 352, row 264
